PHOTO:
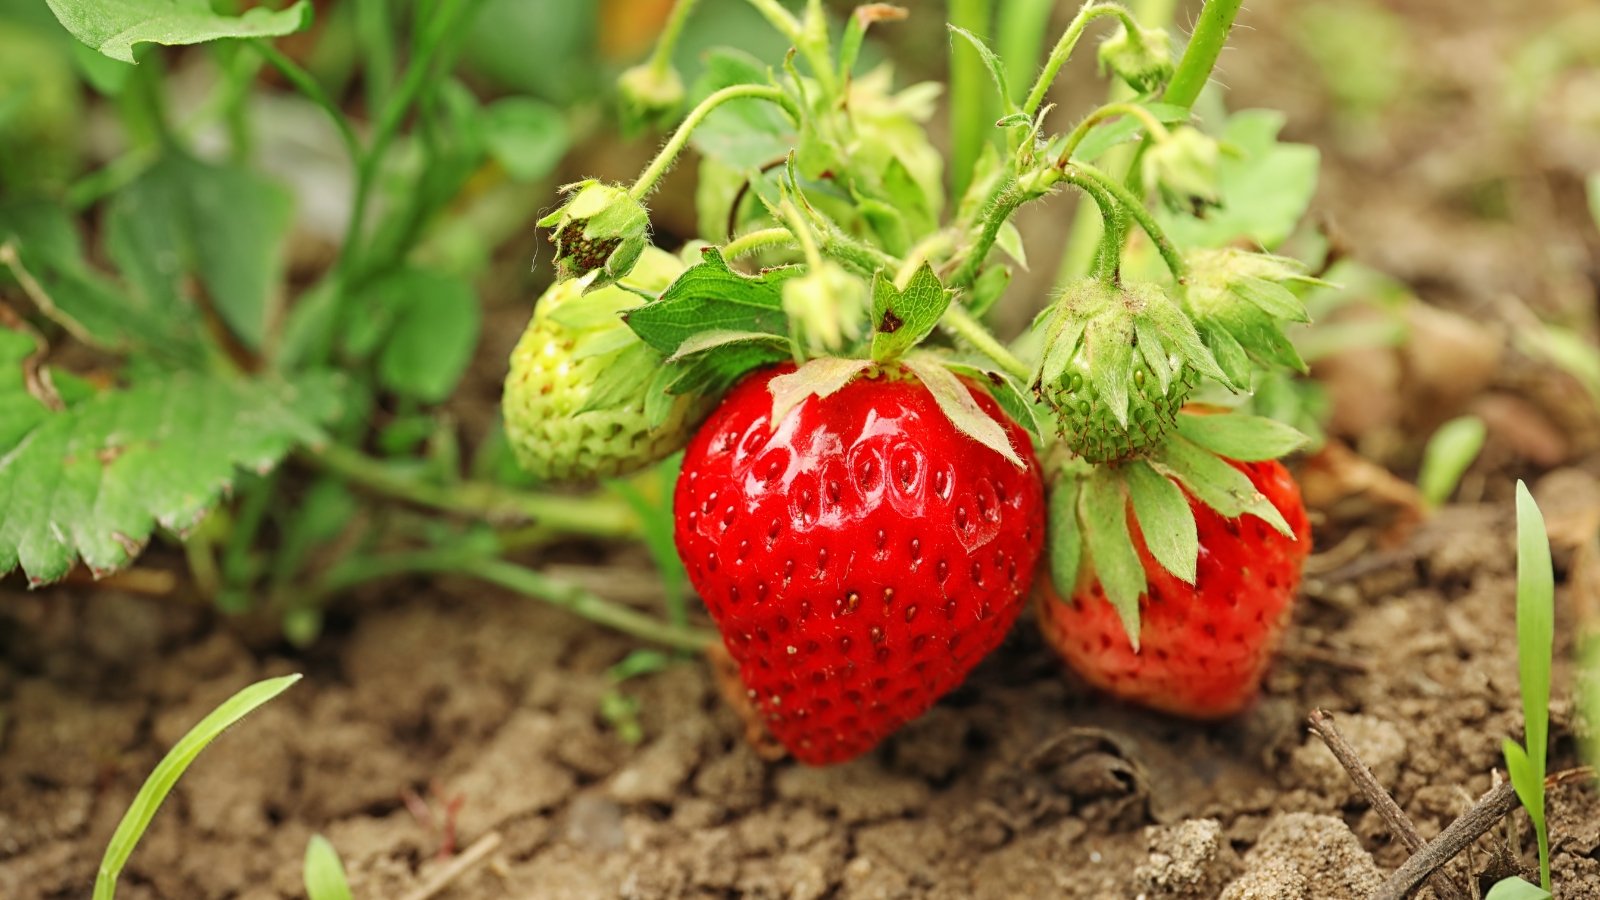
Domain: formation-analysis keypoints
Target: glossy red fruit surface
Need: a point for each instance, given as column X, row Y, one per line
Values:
column 860, row 559
column 1203, row 649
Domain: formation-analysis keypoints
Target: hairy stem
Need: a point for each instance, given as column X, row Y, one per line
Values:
column 1064, row 47
column 591, row 516
column 669, row 154
column 1152, row 126
column 758, row 240
column 961, row 323
column 1082, row 173
column 997, row 211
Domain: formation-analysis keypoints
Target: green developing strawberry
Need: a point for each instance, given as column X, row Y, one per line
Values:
column 552, row 421
column 1119, row 362
column 860, row 555
column 1203, row 648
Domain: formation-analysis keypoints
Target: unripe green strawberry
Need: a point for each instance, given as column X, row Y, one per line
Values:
column 558, row 427
column 1119, row 362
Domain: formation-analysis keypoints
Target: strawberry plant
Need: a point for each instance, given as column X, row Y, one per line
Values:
column 873, row 479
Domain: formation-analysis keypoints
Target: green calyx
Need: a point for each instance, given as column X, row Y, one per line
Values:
column 649, row 95
column 1240, row 302
column 1183, row 170
column 1141, row 57
column 601, row 228
column 569, row 414
column 1118, row 364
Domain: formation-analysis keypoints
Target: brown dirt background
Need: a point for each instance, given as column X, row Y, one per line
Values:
column 1019, row 784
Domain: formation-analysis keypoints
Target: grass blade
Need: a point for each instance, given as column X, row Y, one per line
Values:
column 1535, row 647
column 324, row 873
column 170, row 769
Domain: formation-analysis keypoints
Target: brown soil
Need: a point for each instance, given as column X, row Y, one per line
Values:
column 1021, row 783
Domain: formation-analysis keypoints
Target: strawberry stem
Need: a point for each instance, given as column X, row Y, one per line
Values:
column 755, row 241
column 680, row 138
column 1064, row 47
column 592, row 516
column 1152, row 125
column 961, row 322
column 661, row 57
column 1083, row 173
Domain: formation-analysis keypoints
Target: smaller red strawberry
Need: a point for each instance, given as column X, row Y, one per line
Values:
column 1203, row 647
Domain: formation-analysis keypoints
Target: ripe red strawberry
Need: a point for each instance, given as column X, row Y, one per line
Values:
column 1203, row 649
column 860, row 559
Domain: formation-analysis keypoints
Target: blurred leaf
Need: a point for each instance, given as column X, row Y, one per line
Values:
column 1516, row 889
column 1363, row 51
column 114, row 26
column 527, row 137
column 170, row 769
column 1447, row 457
column 324, row 873
column 1106, row 135
column 225, row 224
column 742, row 134
column 545, row 49
column 1265, row 187
column 436, row 325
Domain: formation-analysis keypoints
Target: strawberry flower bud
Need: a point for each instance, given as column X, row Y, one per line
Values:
column 1142, row 57
column 601, row 228
column 650, row 96
column 1240, row 300
column 828, row 303
column 1184, row 169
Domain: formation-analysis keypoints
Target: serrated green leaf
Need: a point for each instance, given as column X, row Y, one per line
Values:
column 819, row 377
column 958, row 405
column 226, row 225
column 1066, row 538
column 1165, row 519
column 902, row 319
column 1216, row 484
column 1265, row 187
column 324, row 873
column 1241, row 437
column 1111, row 551
column 997, row 69
column 96, row 479
column 1106, row 135
column 711, row 297
column 435, row 331
column 1516, row 889
column 526, row 137
column 114, row 26
column 167, row 772
column 1450, row 451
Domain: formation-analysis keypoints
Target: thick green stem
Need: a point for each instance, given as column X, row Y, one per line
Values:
column 591, row 516
column 999, row 209
column 1152, row 125
column 1064, row 47
column 755, row 241
column 680, row 138
column 961, row 323
column 1200, row 57
column 972, row 108
column 667, row 43
column 1082, row 173
column 523, row 580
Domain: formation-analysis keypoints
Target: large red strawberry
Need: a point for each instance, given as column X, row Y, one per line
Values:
column 1203, row 648
column 860, row 557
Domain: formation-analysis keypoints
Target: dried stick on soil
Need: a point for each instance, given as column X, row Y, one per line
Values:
column 1399, row 823
column 457, row 867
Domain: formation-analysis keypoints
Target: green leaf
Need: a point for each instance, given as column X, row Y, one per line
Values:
column 711, row 340
column 95, row 480
column 435, row 331
column 1066, row 538
column 958, row 405
column 617, row 385
column 1265, row 187
column 1535, row 647
column 1014, row 400
column 1216, row 484
column 1272, row 298
column 1241, row 437
column 1106, row 135
column 1111, row 551
column 526, row 137
column 902, row 319
column 1165, row 519
column 114, row 26
column 170, row 769
column 1449, row 453
column 819, row 377
column 225, row 224
column 741, row 134
column 711, row 297
column 324, row 873
column 1516, row 889
column 997, row 69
